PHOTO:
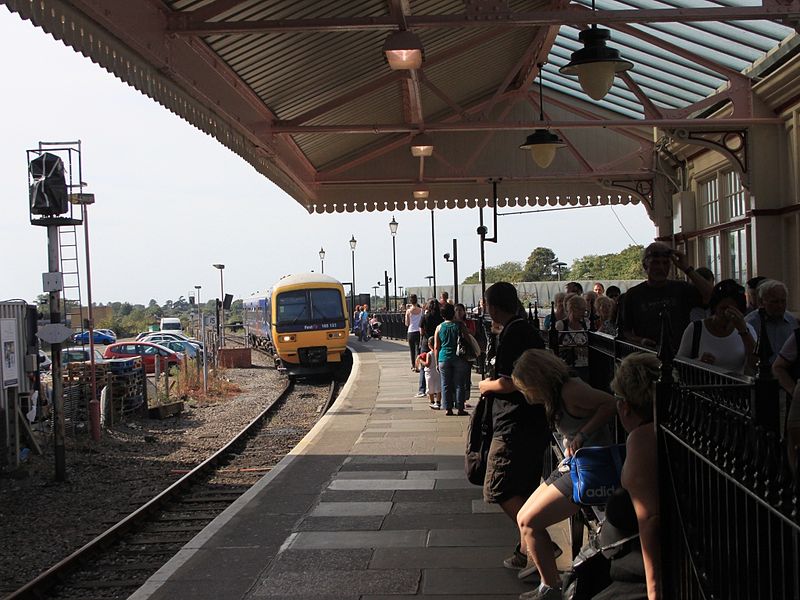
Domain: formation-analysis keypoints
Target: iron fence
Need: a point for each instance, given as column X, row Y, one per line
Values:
column 730, row 521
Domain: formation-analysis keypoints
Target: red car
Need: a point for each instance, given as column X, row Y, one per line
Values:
column 168, row 358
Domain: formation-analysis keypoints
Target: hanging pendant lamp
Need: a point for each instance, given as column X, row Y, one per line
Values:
column 403, row 50
column 541, row 142
column 595, row 64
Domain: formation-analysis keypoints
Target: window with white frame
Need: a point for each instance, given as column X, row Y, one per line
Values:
column 734, row 194
column 737, row 255
column 712, row 258
column 709, row 201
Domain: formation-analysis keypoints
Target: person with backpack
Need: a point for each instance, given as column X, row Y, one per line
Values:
column 723, row 340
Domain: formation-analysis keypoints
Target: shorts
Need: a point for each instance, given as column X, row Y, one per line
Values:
column 514, row 467
column 561, row 481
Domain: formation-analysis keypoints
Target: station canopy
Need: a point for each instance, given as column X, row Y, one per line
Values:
column 302, row 89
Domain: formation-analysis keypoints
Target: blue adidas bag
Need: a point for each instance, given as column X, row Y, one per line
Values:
column 595, row 473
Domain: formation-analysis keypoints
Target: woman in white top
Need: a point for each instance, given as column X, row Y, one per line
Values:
column 723, row 339
column 413, row 318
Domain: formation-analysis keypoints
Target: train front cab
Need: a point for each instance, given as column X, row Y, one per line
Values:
column 309, row 326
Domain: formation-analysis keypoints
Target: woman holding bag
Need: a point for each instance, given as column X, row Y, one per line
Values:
column 581, row 414
column 452, row 368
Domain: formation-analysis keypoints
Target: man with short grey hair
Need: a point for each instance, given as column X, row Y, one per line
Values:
column 779, row 323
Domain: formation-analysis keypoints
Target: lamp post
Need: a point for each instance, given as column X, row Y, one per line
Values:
column 558, row 266
column 199, row 311
column 353, row 287
column 220, row 329
column 393, row 228
column 375, row 289
column 429, row 278
column 454, row 260
column 387, row 280
column 433, row 254
column 322, row 259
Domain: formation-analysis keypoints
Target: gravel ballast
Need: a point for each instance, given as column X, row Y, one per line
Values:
column 44, row 521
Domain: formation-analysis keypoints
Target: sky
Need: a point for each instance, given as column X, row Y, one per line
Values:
column 171, row 201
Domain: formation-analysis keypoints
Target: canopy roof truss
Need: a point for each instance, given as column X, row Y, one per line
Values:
column 299, row 88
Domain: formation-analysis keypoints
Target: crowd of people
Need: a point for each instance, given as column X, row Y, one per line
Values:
column 535, row 393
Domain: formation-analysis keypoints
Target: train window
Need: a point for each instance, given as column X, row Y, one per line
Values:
column 326, row 305
column 292, row 307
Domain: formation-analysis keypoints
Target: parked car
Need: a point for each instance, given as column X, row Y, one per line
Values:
column 109, row 333
column 79, row 354
column 99, row 337
column 188, row 349
column 159, row 336
column 147, row 351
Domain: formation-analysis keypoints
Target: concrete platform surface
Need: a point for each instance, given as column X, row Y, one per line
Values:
column 371, row 505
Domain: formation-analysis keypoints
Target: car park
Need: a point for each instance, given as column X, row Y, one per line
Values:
column 98, row 336
column 148, row 351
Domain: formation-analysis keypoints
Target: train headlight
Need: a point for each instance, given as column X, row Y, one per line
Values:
column 335, row 335
column 288, row 338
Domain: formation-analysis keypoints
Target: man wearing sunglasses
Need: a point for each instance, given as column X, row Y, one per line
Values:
column 645, row 302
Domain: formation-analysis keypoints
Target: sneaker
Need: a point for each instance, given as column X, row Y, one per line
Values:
column 462, row 413
column 530, row 570
column 435, row 405
column 449, row 412
column 543, row 592
column 421, row 395
column 516, row 561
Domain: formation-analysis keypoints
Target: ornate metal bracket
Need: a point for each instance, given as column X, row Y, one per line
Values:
column 639, row 188
column 732, row 144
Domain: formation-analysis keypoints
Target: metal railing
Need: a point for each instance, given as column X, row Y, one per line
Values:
column 730, row 520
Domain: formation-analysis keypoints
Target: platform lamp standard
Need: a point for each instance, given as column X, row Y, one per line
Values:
column 454, row 260
column 393, row 228
column 375, row 289
column 557, row 265
column 199, row 313
column 353, row 285
column 221, row 316
column 322, row 260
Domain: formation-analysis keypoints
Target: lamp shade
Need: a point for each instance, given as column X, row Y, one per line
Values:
column 352, row 242
column 403, row 50
column 543, row 146
column 422, row 145
column 595, row 64
column 393, row 226
column 421, row 192
column 322, row 253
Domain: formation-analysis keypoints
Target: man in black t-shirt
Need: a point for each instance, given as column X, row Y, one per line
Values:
column 520, row 430
column 645, row 302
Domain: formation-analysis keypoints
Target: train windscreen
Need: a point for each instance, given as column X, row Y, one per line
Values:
column 309, row 309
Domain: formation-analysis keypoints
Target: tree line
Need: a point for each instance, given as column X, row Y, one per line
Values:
column 543, row 265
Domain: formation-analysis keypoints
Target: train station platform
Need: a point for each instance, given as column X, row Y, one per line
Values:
column 371, row 505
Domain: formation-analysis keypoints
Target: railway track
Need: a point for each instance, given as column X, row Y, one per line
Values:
column 119, row 560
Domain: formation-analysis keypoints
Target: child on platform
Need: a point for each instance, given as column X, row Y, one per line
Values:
column 432, row 380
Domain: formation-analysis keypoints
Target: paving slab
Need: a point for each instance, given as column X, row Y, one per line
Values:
column 474, row 557
column 456, row 507
column 351, row 509
column 359, row 539
column 381, row 484
column 323, row 582
column 446, row 521
column 467, row 582
column 506, row 536
column 368, row 523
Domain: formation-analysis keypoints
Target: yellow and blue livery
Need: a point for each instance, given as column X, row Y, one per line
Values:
column 302, row 322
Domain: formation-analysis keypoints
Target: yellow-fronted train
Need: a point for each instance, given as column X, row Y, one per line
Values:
column 301, row 322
